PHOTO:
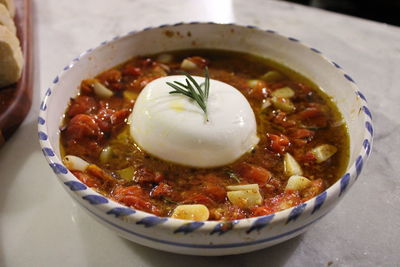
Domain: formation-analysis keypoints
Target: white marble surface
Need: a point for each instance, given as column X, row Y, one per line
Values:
column 41, row 226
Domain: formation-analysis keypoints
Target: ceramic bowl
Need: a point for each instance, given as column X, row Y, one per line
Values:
column 210, row 237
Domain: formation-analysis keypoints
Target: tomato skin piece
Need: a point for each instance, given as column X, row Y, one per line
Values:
column 158, row 177
column 284, row 200
column 281, row 119
column 138, row 84
column 87, row 179
column 134, row 196
column 302, row 133
column 199, row 61
column 194, row 197
column 90, row 149
column 161, row 190
column 83, row 126
column 211, row 185
column 140, row 204
column 254, row 174
column 147, row 62
column 94, row 176
column 87, row 87
column 233, row 212
column 110, row 76
column 131, row 71
column 278, row 143
column 216, row 192
column 132, row 200
column 300, row 137
column 262, row 210
column 120, row 191
column 83, row 136
column 308, row 158
column 96, row 171
column 317, row 186
column 103, row 119
column 273, row 186
column 310, row 112
column 113, row 103
column 111, row 79
column 107, row 118
column 82, row 105
column 313, row 116
column 259, row 92
column 299, row 142
column 145, row 175
column 119, row 116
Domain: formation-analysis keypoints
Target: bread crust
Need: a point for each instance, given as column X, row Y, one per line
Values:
column 6, row 19
column 9, row 4
column 11, row 59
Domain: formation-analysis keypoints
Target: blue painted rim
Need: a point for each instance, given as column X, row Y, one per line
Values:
column 210, row 246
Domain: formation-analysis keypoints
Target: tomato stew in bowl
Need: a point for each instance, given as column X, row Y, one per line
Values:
column 303, row 146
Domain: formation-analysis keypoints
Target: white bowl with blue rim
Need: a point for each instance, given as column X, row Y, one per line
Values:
column 209, row 237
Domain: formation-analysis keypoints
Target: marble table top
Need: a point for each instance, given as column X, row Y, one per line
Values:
column 41, row 226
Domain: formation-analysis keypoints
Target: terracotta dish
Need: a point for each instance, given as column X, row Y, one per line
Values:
column 15, row 100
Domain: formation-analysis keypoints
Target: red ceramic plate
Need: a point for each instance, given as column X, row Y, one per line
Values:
column 15, row 100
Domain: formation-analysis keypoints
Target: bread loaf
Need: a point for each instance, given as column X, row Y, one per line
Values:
column 11, row 60
column 9, row 4
column 6, row 20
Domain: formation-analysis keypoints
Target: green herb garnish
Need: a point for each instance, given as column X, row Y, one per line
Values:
column 193, row 90
column 169, row 201
column 233, row 175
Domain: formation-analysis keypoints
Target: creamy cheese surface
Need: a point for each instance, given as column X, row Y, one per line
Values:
column 174, row 128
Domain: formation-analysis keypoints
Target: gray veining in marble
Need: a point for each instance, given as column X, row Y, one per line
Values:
column 41, row 226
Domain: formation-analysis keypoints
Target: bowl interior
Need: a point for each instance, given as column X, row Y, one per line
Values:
column 287, row 51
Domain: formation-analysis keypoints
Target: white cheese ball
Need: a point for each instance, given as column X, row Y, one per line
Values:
column 174, row 128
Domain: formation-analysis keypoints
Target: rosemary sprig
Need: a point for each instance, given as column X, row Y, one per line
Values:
column 193, row 90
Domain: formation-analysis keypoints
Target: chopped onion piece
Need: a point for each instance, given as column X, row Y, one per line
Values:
column 101, row 91
column 272, row 76
column 159, row 71
column 285, row 92
column 254, row 83
column 286, row 204
column 74, row 163
column 105, row 154
column 297, row 182
column 245, row 198
column 165, row 58
column 323, row 152
column 337, row 123
column 129, row 95
column 195, row 212
column 291, row 166
column 283, row 104
column 242, row 187
column 124, row 135
column 165, row 68
column 266, row 103
column 188, row 65
column 127, row 173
